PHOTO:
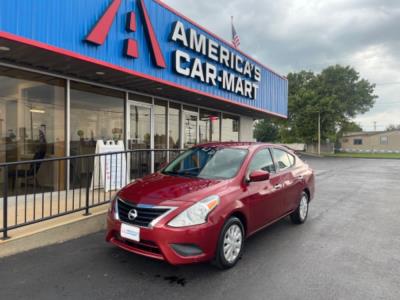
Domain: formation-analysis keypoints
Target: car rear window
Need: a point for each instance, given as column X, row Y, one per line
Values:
column 282, row 159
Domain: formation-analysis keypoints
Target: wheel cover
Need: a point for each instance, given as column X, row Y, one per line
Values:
column 233, row 240
column 303, row 209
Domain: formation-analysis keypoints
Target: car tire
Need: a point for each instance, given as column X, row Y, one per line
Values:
column 299, row 216
column 230, row 244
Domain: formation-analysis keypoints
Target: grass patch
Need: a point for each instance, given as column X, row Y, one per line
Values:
column 365, row 155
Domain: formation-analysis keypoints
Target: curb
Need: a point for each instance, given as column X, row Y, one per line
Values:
column 57, row 234
column 310, row 154
column 358, row 157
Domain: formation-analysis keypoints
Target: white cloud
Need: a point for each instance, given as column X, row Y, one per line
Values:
column 378, row 65
column 382, row 119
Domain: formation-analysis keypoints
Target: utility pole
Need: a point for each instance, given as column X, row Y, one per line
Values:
column 374, row 125
column 319, row 133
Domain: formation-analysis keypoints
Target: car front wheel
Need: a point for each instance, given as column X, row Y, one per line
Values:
column 299, row 216
column 230, row 244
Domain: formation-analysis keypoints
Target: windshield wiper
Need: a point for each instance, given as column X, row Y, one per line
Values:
column 182, row 174
column 189, row 175
column 172, row 173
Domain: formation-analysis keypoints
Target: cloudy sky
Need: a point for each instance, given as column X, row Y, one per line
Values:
column 293, row 35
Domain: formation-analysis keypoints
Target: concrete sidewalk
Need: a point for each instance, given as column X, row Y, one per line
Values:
column 54, row 231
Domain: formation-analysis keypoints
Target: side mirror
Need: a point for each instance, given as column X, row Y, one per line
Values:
column 258, row 175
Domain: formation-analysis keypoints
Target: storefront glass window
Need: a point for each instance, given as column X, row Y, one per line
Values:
column 140, row 98
column 209, row 126
column 160, row 132
column 190, row 119
column 160, row 124
column 230, row 128
column 32, row 126
column 174, row 115
column 96, row 114
column 139, row 127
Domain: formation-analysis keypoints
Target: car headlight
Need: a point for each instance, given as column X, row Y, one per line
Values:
column 113, row 209
column 197, row 213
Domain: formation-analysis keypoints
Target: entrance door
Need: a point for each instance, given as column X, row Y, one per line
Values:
column 139, row 136
column 190, row 128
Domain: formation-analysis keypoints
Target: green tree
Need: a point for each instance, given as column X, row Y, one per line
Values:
column 393, row 127
column 349, row 127
column 266, row 131
column 337, row 94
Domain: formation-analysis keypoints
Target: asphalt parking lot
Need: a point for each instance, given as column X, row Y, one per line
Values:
column 348, row 249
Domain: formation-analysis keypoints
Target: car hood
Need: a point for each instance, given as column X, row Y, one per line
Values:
column 160, row 189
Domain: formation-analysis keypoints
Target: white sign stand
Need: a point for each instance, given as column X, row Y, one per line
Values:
column 109, row 171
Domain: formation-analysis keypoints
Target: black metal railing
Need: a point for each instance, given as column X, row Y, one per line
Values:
column 39, row 190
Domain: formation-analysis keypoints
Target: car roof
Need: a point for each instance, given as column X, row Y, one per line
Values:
column 241, row 145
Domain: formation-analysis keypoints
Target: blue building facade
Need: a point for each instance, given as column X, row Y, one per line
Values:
column 75, row 72
column 66, row 25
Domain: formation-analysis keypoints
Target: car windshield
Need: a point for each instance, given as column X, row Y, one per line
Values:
column 207, row 163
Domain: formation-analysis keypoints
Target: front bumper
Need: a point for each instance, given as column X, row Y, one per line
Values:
column 174, row 245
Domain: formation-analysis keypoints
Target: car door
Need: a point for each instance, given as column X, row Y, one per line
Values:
column 291, row 183
column 263, row 197
column 297, row 181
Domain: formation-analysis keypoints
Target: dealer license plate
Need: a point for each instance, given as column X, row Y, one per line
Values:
column 130, row 232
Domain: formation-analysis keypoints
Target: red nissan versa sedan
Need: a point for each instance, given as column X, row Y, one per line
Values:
column 203, row 205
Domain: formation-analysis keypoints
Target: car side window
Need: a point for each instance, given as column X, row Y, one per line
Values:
column 282, row 159
column 262, row 160
column 292, row 160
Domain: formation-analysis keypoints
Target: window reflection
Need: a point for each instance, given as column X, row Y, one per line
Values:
column 174, row 125
column 160, row 132
column 160, row 124
column 230, row 128
column 139, row 139
column 32, row 109
column 190, row 129
column 140, row 127
column 96, row 114
column 209, row 126
column 140, row 98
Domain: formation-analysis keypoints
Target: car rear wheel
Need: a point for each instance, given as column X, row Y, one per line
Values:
column 230, row 244
column 299, row 216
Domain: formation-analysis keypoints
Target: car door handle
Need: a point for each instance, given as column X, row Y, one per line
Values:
column 278, row 186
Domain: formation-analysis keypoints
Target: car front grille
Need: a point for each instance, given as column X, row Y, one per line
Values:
column 145, row 215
